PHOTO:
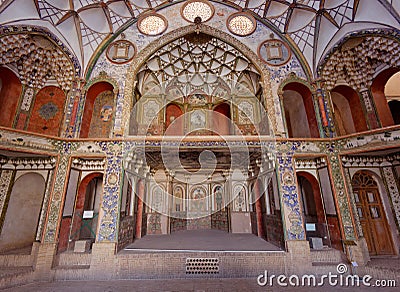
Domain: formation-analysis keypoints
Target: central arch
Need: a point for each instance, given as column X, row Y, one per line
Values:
column 149, row 50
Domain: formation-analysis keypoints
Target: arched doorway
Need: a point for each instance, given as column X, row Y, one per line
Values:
column 81, row 225
column 313, row 210
column 372, row 214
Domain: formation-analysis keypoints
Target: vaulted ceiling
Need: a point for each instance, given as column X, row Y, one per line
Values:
column 313, row 25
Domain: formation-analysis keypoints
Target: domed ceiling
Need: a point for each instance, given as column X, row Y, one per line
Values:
column 313, row 25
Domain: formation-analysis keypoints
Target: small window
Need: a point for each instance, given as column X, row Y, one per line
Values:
column 375, row 213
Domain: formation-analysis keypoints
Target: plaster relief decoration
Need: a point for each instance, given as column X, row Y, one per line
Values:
column 152, row 24
column 239, row 201
column 197, row 120
column 178, row 199
column 150, row 112
column 197, row 99
column 121, row 51
column 349, row 62
column 197, row 11
column 157, row 199
column 28, row 97
column 246, row 113
column 101, row 122
column 241, row 24
column 219, row 201
column 274, row 52
column 198, row 199
column 38, row 60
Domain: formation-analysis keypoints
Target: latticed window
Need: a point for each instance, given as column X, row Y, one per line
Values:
column 363, row 179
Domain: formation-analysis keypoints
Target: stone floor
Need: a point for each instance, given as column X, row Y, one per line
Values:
column 201, row 240
column 199, row 285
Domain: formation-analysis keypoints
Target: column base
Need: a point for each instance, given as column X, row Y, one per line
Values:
column 44, row 261
column 104, row 262
column 358, row 253
column 298, row 260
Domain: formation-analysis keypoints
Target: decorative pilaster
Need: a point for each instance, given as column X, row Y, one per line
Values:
column 355, row 246
column 43, row 212
column 257, row 189
column 393, row 190
column 368, row 102
column 73, row 99
column 109, row 208
column 22, row 115
column 347, row 177
column 59, row 187
column 139, row 214
column 6, row 179
column 341, row 192
column 324, row 107
column 290, row 198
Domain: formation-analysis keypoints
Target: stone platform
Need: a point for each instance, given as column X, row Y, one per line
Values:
column 199, row 241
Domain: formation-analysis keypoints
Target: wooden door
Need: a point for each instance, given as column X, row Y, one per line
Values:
column 372, row 217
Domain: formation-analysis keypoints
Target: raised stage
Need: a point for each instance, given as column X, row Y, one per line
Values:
column 201, row 241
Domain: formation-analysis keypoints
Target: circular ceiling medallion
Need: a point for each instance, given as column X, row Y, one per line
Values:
column 197, row 11
column 241, row 24
column 152, row 24
column 121, row 52
column 274, row 52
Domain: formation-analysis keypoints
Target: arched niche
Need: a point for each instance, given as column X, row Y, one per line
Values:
column 394, row 106
column 221, row 120
column 98, row 114
column 48, row 111
column 150, row 51
column 174, row 123
column 22, row 214
column 87, row 199
column 10, row 92
column 348, row 114
column 392, row 93
column 378, row 92
column 298, row 106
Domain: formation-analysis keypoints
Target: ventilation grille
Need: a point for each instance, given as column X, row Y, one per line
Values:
column 199, row 266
